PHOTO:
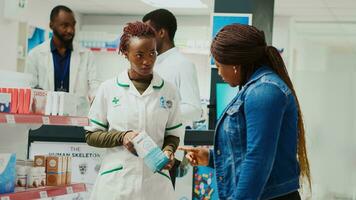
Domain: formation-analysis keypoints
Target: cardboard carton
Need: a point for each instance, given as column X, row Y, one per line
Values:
column 54, row 170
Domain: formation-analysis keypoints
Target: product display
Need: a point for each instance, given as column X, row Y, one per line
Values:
column 68, row 104
column 26, row 101
column 42, row 175
column 84, row 162
column 39, row 161
column 68, row 171
column 204, row 183
column 7, row 172
column 39, row 101
column 19, row 104
column 68, row 192
column 147, row 149
column 55, row 103
column 54, row 170
column 21, row 176
column 5, row 100
column 33, row 178
column 14, row 99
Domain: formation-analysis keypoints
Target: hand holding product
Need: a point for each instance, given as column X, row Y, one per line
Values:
column 127, row 141
column 170, row 156
column 147, row 149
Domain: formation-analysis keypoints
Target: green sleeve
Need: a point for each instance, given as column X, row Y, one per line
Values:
column 105, row 139
column 170, row 143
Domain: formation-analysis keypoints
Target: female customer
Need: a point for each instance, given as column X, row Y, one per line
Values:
column 136, row 101
column 259, row 150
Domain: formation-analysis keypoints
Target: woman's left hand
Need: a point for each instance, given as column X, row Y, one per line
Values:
column 170, row 156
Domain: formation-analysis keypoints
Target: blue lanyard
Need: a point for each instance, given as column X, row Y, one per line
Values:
column 66, row 68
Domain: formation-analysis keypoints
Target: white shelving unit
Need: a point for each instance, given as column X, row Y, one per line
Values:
column 47, row 192
column 41, row 119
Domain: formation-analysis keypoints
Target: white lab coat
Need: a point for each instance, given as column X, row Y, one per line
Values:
column 174, row 67
column 119, row 106
column 83, row 78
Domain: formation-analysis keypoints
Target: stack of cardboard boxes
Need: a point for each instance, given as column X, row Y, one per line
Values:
column 58, row 169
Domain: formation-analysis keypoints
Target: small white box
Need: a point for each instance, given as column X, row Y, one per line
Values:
column 48, row 109
column 55, row 103
column 7, row 172
column 39, row 100
column 68, row 104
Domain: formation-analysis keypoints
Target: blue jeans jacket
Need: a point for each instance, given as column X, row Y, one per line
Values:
column 256, row 141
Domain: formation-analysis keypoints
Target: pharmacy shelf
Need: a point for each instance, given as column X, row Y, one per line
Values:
column 40, row 119
column 195, row 51
column 103, row 49
column 44, row 192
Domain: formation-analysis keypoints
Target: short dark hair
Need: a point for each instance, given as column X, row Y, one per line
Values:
column 162, row 18
column 55, row 11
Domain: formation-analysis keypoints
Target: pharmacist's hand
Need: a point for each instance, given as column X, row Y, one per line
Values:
column 196, row 155
column 127, row 141
column 170, row 156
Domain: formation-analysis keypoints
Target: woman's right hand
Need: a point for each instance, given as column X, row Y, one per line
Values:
column 196, row 155
column 127, row 141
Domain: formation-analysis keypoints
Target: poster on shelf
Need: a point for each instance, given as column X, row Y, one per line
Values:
column 219, row 20
column 86, row 160
column 224, row 94
column 204, row 184
column 7, row 172
column 36, row 36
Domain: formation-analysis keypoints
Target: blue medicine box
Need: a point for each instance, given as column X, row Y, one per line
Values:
column 5, row 101
column 7, row 172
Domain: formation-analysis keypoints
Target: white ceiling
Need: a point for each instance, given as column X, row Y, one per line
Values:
column 126, row 7
column 317, row 10
column 302, row 10
column 307, row 10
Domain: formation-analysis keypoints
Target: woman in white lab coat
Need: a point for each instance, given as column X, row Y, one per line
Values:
column 137, row 100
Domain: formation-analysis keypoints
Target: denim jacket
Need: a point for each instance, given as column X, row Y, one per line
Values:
column 256, row 141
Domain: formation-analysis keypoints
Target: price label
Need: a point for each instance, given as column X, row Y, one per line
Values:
column 70, row 190
column 5, row 198
column 45, row 120
column 73, row 121
column 79, row 121
column 10, row 119
column 43, row 194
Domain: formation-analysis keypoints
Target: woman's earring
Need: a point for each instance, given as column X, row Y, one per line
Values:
column 235, row 70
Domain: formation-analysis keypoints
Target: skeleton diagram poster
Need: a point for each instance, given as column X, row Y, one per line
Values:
column 85, row 159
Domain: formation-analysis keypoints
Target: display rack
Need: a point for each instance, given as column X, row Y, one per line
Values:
column 41, row 119
column 186, row 50
column 199, row 137
column 103, row 49
column 45, row 192
column 195, row 51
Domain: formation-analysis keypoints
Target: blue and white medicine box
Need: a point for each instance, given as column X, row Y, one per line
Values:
column 7, row 172
column 147, row 149
column 5, row 100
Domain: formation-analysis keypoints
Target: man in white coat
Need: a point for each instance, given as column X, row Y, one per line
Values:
column 59, row 64
column 174, row 67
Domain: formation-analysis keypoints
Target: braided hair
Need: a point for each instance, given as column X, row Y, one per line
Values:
column 135, row 29
column 245, row 45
